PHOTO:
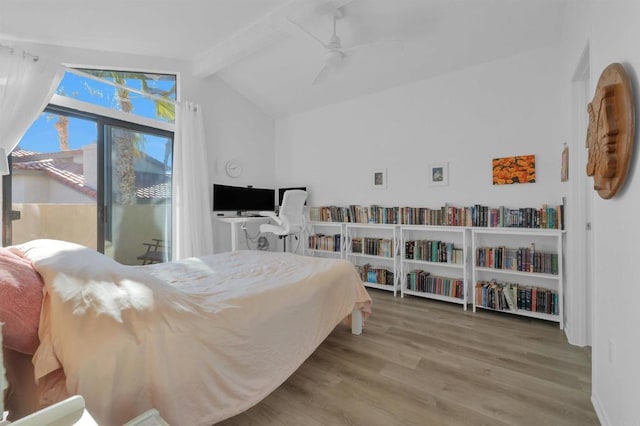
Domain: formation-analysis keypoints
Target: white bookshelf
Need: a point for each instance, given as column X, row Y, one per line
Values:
column 322, row 249
column 421, row 239
column 542, row 275
column 388, row 257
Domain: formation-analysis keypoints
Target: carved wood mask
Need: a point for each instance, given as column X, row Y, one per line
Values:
column 611, row 131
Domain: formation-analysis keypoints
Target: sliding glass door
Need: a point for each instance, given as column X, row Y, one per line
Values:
column 53, row 186
column 95, row 181
column 137, row 194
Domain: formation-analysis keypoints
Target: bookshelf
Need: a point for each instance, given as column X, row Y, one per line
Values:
column 492, row 280
column 373, row 249
column 542, row 217
column 518, row 271
column 325, row 239
column 434, row 263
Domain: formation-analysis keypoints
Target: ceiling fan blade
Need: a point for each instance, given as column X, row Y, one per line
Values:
column 300, row 28
column 396, row 45
column 320, row 74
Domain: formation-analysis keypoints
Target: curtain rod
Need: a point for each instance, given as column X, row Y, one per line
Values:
column 24, row 53
column 118, row 85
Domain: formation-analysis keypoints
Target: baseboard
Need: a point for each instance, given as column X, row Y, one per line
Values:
column 597, row 406
column 568, row 332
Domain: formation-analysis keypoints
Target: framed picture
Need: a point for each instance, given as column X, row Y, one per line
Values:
column 379, row 179
column 439, row 174
column 511, row 170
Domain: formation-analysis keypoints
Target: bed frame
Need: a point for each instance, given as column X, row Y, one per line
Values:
column 356, row 322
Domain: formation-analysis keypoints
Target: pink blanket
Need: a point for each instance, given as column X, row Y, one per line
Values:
column 200, row 340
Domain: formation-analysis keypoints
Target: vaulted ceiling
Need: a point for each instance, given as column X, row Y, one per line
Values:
column 260, row 48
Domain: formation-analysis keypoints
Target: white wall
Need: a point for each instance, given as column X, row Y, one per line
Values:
column 465, row 118
column 612, row 31
column 238, row 130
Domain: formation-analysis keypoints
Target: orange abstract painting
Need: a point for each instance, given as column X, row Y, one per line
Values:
column 519, row 169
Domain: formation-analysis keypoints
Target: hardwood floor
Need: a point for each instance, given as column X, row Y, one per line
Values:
column 423, row 362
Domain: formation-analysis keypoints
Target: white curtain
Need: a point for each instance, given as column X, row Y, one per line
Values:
column 26, row 86
column 192, row 230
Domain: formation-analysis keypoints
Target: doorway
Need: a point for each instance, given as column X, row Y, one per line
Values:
column 579, row 237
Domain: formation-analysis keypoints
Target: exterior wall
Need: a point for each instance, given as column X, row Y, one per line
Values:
column 90, row 165
column 78, row 223
column 38, row 188
column 70, row 222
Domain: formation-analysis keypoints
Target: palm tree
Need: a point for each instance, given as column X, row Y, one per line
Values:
column 128, row 145
column 62, row 126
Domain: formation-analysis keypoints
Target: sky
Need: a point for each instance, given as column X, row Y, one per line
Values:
column 43, row 137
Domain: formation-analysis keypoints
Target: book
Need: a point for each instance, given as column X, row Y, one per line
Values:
column 507, row 291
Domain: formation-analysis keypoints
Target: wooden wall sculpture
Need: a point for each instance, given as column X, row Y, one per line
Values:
column 611, row 131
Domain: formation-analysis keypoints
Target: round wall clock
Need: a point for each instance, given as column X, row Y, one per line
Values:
column 233, row 168
column 611, row 131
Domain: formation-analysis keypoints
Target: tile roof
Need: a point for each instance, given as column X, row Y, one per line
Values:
column 154, row 192
column 64, row 171
column 71, row 174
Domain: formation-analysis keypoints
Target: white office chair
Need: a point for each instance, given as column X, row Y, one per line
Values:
column 290, row 219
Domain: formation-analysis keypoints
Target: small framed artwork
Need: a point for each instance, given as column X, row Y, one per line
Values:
column 439, row 174
column 379, row 179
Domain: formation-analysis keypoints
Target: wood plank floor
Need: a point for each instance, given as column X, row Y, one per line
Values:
column 423, row 362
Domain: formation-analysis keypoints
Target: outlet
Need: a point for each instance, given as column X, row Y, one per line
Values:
column 610, row 351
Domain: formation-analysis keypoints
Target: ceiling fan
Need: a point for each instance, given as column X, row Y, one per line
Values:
column 335, row 53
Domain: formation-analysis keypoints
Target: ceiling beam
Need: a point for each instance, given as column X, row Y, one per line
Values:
column 259, row 34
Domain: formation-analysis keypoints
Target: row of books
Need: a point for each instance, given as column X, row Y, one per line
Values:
column 325, row 242
column 372, row 246
column 511, row 297
column 369, row 274
column 517, row 259
column 433, row 251
column 546, row 217
column 424, row 282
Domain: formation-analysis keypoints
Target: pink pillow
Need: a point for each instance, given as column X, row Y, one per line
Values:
column 20, row 302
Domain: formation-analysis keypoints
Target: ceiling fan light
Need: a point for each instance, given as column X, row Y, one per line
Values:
column 334, row 57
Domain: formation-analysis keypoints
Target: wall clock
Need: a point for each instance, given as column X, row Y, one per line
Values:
column 233, row 168
column 611, row 131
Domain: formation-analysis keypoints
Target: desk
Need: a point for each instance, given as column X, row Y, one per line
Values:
column 236, row 226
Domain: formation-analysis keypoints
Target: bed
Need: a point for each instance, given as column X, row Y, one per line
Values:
column 200, row 339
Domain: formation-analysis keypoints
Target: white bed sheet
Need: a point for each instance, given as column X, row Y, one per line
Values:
column 200, row 340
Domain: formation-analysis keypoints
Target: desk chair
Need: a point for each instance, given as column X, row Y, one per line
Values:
column 290, row 219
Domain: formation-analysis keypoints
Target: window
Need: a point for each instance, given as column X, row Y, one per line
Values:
column 82, row 173
column 94, row 91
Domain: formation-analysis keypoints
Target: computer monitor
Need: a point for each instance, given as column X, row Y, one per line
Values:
column 281, row 192
column 242, row 198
